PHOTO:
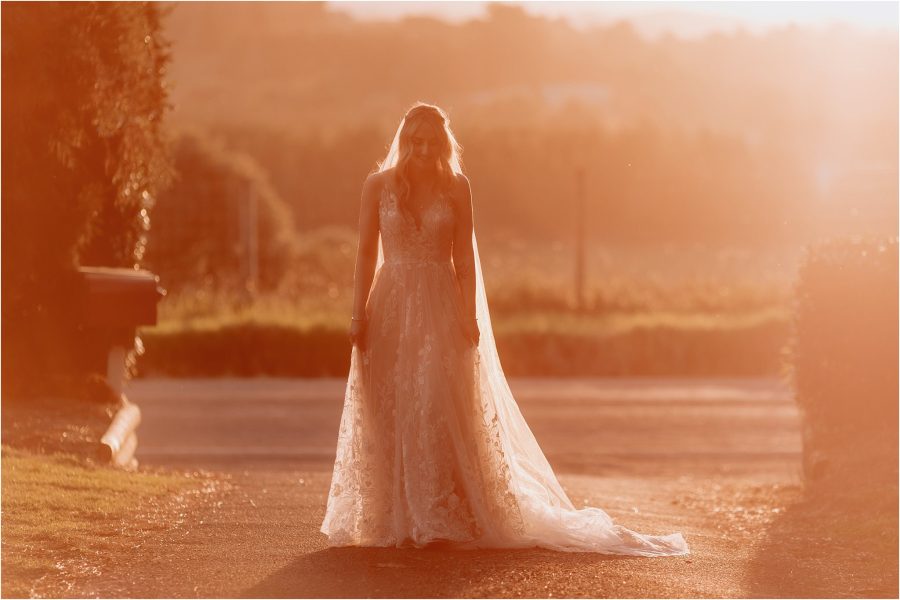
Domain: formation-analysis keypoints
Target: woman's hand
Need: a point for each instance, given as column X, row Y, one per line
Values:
column 471, row 329
column 358, row 333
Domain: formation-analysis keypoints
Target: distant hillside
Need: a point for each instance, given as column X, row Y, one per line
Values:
column 299, row 65
column 788, row 135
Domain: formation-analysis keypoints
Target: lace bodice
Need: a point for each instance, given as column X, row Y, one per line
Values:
column 405, row 241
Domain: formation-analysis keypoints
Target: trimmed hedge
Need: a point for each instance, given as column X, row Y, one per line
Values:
column 844, row 354
column 245, row 349
column 251, row 348
column 660, row 351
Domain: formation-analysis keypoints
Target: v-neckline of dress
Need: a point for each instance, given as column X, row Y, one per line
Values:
column 440, row 197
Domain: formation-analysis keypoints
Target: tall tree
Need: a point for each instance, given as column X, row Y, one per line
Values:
column 84, row 154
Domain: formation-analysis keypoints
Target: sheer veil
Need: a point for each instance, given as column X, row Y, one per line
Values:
column 548, row 516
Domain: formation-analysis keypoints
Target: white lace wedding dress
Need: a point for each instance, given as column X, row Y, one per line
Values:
column 432, row 445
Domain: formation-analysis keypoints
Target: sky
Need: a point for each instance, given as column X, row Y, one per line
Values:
column 686, row 19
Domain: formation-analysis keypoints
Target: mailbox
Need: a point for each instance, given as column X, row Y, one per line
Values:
column 114, row 298
column 114, row 303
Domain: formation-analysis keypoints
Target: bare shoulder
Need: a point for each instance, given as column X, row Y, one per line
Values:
column 462, row 190
column 375, row 179
column 461, row 182
column 373, row 186
column 386, row 179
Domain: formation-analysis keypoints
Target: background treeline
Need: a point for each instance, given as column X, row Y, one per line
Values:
column 708, row 165
column 643, row 186
column 734, row 138
column 525, row 192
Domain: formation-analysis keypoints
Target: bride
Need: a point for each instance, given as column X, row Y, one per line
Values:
column 432, row 446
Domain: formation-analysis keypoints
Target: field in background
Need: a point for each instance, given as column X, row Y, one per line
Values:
column 521, row 279
column 666, row 310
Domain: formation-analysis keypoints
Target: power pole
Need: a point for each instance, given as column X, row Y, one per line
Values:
column 248, row 226
column 580, row 226
column 253, row 239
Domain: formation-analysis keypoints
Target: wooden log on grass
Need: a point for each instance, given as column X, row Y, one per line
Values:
column 125, row 456
column 120, row 441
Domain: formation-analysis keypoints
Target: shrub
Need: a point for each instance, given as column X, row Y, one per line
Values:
column 844, row 351
column 246, row 347
column 661, row 350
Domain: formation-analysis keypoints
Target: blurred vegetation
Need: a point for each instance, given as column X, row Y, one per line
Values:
column 709, row 164
column 200, row 224
column 246, row 343
column 845, row 356
column 84, row 156
column 642, row 186
column 732, row 138
column 636, row 320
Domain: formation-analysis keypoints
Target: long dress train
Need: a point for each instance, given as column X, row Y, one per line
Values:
column 432, row 445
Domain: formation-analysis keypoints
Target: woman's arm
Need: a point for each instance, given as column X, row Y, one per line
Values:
column 366, row 254
column 463, row 255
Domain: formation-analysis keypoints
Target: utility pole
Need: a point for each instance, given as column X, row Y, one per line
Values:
column 580, row 226
column 253, row 239
column 248, row 220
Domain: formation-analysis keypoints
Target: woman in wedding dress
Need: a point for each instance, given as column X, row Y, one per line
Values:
column 432, row 446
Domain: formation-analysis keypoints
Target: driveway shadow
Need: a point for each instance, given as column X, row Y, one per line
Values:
column 433, row 572
column 833, row 543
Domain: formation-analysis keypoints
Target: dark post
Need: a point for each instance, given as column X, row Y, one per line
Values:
column 248, row 228
column 580, row 218
column 253, row 239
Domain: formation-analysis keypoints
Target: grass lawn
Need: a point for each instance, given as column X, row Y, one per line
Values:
column 61, row 515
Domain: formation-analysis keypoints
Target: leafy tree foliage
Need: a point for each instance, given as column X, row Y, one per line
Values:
column 83, row 156
column 201, row 224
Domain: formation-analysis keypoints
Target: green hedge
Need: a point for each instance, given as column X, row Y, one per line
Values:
column 844, row 352
column 660, row 351
column 245, row 349
column 251, row 348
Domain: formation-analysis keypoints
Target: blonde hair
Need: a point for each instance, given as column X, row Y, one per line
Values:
column 400, row 152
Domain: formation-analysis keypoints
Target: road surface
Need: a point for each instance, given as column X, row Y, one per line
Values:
column 717, row 460
column 589, row 426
